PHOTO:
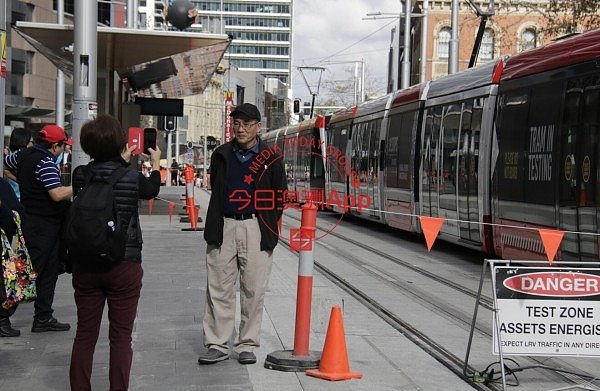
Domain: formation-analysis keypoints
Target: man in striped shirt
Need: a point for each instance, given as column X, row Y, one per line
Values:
column 44, row 200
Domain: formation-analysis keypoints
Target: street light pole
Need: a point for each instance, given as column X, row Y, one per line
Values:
column 453, row 54
column 405, row 82
column 60, row 77
column 85, row 73
column 424, row 36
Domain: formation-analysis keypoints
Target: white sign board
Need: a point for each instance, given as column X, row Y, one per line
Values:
column 547, row 311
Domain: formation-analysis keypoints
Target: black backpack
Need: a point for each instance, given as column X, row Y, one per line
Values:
column 93, row 234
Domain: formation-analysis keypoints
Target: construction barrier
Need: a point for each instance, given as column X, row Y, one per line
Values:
column 191, row 208
column 301, row 358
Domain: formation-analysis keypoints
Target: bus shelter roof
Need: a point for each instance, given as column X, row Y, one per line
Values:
column 118, row 48
column 192, row 57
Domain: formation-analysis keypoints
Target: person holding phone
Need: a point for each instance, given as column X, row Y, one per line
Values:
column 117, row 283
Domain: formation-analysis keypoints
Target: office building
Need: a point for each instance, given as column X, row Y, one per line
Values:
column 261, row 31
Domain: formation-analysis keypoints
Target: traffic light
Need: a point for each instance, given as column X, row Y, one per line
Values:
column 170, row 123
column 296, row 106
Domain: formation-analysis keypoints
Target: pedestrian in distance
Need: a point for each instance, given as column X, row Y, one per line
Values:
column 175, row 173
column 240, row 238
column 117, row 283
column 45, row 201
column 19, row 138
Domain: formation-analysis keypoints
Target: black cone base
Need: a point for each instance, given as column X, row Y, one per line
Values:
column 284, row 360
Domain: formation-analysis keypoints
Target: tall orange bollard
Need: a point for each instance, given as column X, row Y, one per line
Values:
column 334, row 361
column 189, row 200
column 301, row 358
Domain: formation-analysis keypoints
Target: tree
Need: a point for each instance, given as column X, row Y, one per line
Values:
column 341, row 92
column 572, row 16
column 563, row 16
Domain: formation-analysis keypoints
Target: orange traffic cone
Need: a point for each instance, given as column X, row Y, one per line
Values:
column 334, row 360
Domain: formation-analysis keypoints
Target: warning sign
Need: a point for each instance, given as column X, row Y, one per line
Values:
column 547, row 311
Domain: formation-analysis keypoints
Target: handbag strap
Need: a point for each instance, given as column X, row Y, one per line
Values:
column 19, row 234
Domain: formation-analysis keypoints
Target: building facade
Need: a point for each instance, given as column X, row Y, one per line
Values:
column 261, row 31
column 515, row 26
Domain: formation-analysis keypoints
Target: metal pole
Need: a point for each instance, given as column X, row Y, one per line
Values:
column 177, row 150
column 424, row 38
column 362, row 82
column 132, row 14
column 3, row 76
column 169, row 156
column 407, row 39
column 204, row 166
column 60, row 77
column 222, row 27
column 356, row 101
column 453, row 55
column 85, row 73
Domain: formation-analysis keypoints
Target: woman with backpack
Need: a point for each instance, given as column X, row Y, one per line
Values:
column 115, row 279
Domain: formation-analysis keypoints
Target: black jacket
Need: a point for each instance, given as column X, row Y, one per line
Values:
column 268, row 175
column 128, row 190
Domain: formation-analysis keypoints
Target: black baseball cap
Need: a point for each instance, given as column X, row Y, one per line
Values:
column 248, row 109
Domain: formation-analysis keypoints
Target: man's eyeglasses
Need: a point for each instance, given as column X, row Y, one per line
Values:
column 237, row 124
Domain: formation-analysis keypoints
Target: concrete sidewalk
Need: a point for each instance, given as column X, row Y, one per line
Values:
column 167, row 338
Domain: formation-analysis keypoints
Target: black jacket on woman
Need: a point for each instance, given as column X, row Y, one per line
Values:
column 128, row 190
column 270, row 176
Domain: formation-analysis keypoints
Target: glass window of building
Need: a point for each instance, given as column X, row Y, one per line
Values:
column 444, row 42
column 528, row 39
column 486, row 51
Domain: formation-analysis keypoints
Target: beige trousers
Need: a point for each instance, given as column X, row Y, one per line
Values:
column 239, row 253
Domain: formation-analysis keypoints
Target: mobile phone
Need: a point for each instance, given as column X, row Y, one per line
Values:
column 149, row 139
column 136, row 137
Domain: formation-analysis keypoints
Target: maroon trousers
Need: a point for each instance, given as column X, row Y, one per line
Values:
column 120, row 286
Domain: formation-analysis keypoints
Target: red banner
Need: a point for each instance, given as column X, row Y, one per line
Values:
column 228, row 121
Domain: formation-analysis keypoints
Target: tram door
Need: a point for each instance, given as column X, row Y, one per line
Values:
column 468, row 164
column 429, row 159
column 373, row 168
column 448, row 168
column 579, row 175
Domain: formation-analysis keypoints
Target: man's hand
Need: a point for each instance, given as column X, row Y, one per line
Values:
column 61, row 193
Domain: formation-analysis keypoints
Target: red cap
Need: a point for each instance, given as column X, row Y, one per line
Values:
column 54, row 134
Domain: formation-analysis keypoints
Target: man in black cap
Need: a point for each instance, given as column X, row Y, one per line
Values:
column 43, row 198
column 242, row 235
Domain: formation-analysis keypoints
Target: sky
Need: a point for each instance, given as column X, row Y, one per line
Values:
column 322, row 28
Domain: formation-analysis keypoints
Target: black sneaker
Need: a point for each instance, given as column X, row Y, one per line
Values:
column 211, row 356
column 6, row 329
column 50, row 324
column 246, row 358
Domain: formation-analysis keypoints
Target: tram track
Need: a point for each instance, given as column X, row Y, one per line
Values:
column 439, row 305
column 485, row 301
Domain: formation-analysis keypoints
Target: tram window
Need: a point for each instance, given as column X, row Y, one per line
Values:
column 569, row 156
column 364, row 152
column 338, row 138
column 511, row 133
column 450, row 125
column 374, row 152
column 405, row 149
column 540, row 144
column 591, row 123
column 391, row 153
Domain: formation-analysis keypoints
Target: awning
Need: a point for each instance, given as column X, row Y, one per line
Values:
column 128, row 51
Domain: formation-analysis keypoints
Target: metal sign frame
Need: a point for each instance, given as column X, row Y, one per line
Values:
column 493, row 263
